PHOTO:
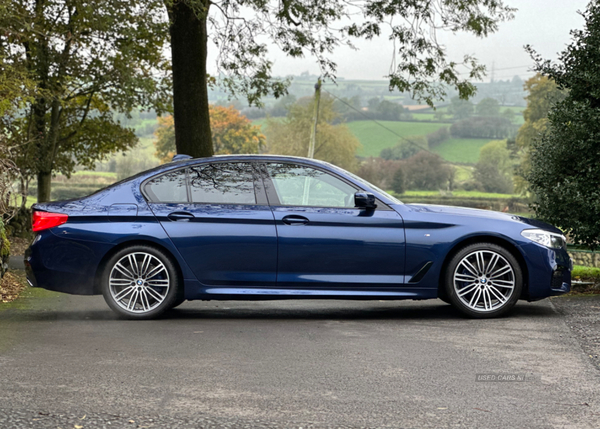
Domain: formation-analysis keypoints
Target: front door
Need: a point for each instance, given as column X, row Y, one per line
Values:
column 322, row 237
column 218, row 218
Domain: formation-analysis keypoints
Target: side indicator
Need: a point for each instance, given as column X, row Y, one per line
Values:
column 46, row 220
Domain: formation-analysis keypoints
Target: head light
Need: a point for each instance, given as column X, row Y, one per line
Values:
column 545, row 238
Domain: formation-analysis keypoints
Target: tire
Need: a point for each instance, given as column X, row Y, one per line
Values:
column 483, row 280
column 444, row 299
column 141, row 282
column 178, row 302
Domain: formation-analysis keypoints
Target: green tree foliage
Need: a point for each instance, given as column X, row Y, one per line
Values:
column 379, row 172
column 244, row 30
column 460, row 108
column 335, row 143
column 232, row 133
column 399, row 181
column 438, row 137
column 385, row 110
column 565, row 172
column 494, row 169
column 407, row 147
column 496, row 127
column 88, row 60
column 281, row 106
column 427, row 171
column 488, row 107
column 350, row 109
column 542, row 95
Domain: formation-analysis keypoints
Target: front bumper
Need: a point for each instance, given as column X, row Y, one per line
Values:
column 549, row 271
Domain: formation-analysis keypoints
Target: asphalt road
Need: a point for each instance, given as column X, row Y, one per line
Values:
column 68, row 362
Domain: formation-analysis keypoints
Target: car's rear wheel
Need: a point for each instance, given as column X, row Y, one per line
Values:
column 140, row 282
column 484, row 280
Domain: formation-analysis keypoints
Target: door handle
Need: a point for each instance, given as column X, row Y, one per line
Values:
column 180, row 216
column 295, row 220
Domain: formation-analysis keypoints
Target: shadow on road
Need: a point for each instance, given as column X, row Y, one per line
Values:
column 338, row 310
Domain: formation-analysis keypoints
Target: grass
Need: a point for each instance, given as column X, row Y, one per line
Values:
column 374, row 138
column 580, row 271
column 460, row 194
column 465, row 151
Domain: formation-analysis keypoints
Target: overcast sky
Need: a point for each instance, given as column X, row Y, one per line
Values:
column 544, row 24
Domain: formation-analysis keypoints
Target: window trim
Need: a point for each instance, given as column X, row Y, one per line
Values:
column 258, row 185
column 273, row 198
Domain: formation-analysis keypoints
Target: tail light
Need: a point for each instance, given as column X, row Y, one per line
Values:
column 45, row 220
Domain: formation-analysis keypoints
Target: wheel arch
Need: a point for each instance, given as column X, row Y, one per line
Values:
column 130, row 243
column 500, row 241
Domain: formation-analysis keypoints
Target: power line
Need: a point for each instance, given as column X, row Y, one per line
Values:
column 381, row 125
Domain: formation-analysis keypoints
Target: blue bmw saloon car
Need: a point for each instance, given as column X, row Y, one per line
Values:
column 272, row 227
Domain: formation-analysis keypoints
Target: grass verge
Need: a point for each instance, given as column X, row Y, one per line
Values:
column 581, row 272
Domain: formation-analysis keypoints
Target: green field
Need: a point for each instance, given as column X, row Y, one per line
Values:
column 373, row 137
column 461, row 150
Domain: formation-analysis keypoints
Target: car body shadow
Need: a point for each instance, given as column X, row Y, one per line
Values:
column 433, row 310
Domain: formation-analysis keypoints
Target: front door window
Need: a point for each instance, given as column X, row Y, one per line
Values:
column 298, row 186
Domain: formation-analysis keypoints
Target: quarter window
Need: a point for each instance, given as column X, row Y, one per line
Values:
column 168, row 188
column 222, row 183
column 297, row 185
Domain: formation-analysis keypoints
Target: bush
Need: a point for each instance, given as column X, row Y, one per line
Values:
column 379, row 172
column 427, row 171
column 472, row 185
column 494, row 170
column 409, row 146
column 438, row 137
column 483, row 127
column 399, row 181
column 492, row 180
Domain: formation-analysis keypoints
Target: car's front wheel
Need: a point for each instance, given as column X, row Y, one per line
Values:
column 484, row 280
column 140, row 282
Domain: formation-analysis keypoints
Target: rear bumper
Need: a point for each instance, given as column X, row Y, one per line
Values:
column 63, row 265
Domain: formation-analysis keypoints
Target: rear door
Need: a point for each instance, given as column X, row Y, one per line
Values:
column 218, row 218
column 323, row 238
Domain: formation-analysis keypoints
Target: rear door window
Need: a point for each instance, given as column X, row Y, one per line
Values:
column 222, row 183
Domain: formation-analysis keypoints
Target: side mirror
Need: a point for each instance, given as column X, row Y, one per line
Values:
column 364, row 200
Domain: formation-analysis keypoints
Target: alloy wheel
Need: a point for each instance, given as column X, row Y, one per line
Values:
column 139, row 282
column 484, row 281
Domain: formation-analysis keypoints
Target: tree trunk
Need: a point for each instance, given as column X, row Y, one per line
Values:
column 44, row 180
column 190, row 93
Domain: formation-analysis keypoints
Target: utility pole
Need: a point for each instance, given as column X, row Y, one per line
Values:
column 313, row 131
